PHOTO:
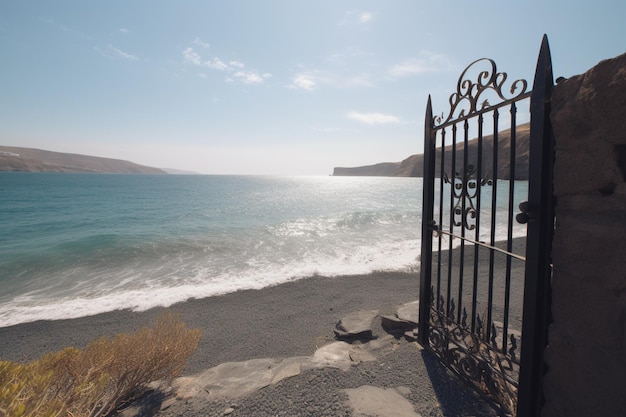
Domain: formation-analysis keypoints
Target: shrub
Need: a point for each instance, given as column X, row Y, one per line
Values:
column 97, row 380
column 24, row 392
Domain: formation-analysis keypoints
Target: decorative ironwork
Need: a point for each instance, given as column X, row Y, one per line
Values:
column 483, row 353
column 465, row 191
column 468, row 93
column 478, row 362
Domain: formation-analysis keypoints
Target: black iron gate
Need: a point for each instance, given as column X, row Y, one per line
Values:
column 485, row 265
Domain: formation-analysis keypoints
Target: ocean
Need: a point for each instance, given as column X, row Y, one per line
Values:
column 74, row 245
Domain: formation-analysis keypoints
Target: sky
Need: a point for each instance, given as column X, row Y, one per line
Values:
column 267, row 87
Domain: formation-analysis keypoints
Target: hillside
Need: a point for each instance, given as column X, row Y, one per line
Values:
column 413, row 166
column 35, row 160
column 384, row 169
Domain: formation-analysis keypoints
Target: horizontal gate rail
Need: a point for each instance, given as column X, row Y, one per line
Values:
column 487, row 109
column 482, row 244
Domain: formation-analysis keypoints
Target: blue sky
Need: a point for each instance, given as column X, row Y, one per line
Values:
column 277, row 87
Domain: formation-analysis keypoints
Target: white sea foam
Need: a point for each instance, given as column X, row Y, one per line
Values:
column 359, row 260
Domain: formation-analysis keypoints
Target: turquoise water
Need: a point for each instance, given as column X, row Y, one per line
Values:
column 80, row 244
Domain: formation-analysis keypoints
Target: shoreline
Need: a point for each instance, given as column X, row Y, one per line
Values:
column 288, row 319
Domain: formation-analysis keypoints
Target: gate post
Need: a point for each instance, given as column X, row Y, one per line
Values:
column 539, row 240
column 428, row 199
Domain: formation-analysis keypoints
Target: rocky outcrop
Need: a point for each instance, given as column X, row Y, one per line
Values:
column 35, row 160
column 237, row 379
column 384, row 169
column 413, row 166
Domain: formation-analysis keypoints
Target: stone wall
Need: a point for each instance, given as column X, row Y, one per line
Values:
column 586, row 356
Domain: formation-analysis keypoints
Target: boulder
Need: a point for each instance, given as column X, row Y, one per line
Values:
column 356, row 326
column 410, row 312
column 393, row 323
column 405, row 319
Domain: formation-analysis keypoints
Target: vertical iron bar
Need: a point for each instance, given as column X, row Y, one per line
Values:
column 452, row 194
column 509, row 241
column 428, row 181
column 537, row 290
column 464, row 195
column 494, row 209
column 479, row 175
column 440, row 224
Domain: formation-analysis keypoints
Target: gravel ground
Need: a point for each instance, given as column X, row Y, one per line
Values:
column 320, row 392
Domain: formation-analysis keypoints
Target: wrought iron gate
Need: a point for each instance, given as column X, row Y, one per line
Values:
column 481, row 256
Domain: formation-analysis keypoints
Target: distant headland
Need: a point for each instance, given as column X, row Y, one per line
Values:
column 413, row 166
column 15, row 159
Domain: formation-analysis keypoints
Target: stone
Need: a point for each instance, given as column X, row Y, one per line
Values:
column 168, row 403
column 407, row 318
column 585, row 356
column 132, row 411
column 236, row 379
column 230, row 379
column 394, row 324
column 370, row 401
column 411, row 335
column 228, row 411
column 333, row 352
column 356, row 325
column 410, row 312
column 587, row 117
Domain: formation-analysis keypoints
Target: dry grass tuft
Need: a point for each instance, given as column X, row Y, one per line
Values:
column 97, row 380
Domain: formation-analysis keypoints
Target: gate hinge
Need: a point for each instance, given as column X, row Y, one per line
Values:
column 525, row 215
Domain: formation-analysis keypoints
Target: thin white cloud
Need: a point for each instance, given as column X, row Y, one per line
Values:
column 365, row 17
column 122, row 54
column 189, row 55
column 201, row 43
column 427, row 62
column 311, row 80
column 303, row 82
column 216, row 63
column 233, row 68
column 373, row 118
column 249, row 77
column 192, row 57
column 124, row 30
column 358, row 17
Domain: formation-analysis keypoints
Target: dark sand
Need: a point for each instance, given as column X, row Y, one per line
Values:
column 286, row 320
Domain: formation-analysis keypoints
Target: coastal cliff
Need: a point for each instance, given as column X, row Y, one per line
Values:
column 17, row 159
column 413, row 166
column 384, row 169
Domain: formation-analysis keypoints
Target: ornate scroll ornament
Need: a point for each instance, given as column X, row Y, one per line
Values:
column 468, row 93
column 465, row 190
column 479, row 362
